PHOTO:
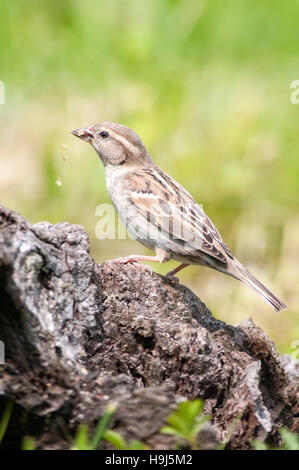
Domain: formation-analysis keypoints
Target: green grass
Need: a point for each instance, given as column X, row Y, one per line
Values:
column 184, row 423
column 82, row 440
column 4, row 422
column 206, row 85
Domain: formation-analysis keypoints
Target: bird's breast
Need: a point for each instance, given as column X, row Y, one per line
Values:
column 116, row 187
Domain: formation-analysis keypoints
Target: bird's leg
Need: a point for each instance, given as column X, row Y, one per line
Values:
column 161, row 257
column 133, row 259
column 176, row 270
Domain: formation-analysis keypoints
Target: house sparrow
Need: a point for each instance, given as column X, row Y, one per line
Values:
column 158, row 211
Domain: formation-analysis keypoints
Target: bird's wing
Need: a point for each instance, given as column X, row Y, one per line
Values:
column 166, row 205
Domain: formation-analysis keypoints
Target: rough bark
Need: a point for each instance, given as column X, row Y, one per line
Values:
column 79, row 336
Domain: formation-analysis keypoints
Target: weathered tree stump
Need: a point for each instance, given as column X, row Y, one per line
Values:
column 78, row 336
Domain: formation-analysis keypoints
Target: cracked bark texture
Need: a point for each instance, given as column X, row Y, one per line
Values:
column 79, row 336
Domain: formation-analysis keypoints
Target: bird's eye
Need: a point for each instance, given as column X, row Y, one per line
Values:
column 104, row 134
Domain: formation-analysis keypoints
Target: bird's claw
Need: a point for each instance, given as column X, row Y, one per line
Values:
column 128, row 260
column 143, row 267
column 124, row 260
column 172, row 278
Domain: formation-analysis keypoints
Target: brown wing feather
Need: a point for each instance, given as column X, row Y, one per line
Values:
column 167, row 205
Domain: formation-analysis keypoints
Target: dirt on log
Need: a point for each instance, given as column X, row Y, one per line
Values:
column 79, row 335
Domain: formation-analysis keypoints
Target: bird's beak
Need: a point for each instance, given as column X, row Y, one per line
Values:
column 84, row 134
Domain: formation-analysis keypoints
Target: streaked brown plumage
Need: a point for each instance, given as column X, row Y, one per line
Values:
column 158, row 211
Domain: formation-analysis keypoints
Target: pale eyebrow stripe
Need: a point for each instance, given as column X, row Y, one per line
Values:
column 124, row 141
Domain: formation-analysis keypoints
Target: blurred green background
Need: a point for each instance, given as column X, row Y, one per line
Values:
column 206, row 84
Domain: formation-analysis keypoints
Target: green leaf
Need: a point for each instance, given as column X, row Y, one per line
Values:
column 137, row 445
column 115, row 439
column 290, row 440
column 186, row 421
column 179, row 423
column 28, row 443
column 171, row 430
column 259, row 445
column 82, row 440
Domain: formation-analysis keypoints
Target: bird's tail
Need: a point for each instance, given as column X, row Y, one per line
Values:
column 241, row 273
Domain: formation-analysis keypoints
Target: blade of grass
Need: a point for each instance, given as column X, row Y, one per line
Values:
column 5, row 418
column 81, row 441
column 28, row 443
column 102, row 426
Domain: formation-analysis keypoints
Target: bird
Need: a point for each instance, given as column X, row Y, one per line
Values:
column 158, row 212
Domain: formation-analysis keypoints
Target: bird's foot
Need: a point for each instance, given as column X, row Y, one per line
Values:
column 123, row 260
column 132, row 260
column 144, row 267
column 172, row 278
column 171, row 274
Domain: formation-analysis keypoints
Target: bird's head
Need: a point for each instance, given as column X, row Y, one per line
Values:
column 116, row 144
